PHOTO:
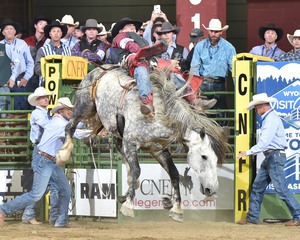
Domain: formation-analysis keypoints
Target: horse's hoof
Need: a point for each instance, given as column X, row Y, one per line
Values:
column 176, row 216
column 127, row 211
column 167, row 203
column 121, row 199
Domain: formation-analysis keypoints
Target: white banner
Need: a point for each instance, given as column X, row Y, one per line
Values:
column 155, row 184
column 93, row 196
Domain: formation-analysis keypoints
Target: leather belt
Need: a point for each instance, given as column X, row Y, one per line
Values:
column 47, row 155
column 216, row 80
column 267, row 152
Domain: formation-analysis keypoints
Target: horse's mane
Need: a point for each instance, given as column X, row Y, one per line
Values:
column 181, row 116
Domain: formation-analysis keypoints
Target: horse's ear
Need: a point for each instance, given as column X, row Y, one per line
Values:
column 202, row 133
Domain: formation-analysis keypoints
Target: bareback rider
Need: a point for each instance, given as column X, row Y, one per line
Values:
column 129, row 46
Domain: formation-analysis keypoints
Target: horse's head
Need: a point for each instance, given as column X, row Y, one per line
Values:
column 203, row 160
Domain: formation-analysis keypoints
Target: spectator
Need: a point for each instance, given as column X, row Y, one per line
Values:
column 271, row 35
column 35, row 42
column 212, row 59
column 69, row 40
column 102, row 36
column 273, row 144
column 294, row 54
column 90, row 47
column 78, row 32
column 55, row 31
column 19, row 52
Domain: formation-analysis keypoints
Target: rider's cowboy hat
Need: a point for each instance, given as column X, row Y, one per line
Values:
column 63, row 102
column 6, row 22
column 53, row 24
column 38, row 92
column 260, row 99
column 290, row 37
column 270, row 26
column 68, row 20
column 122, row 23
column 167, row 27
column 91, row 23
column 215, row 25
column 103, row 32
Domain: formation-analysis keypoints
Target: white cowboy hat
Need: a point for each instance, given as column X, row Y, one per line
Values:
column 63, row 102
column 215, row 25
column 290, row 37
column 260, row 99
column 103, row 32
column 38, row 92
column 69, row 20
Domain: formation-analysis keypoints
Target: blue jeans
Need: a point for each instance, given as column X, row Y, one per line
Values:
column 221, row 99
column 141, row 74
column 272, row 169
column 44, row 171
column 30, row 211
column 4, row 101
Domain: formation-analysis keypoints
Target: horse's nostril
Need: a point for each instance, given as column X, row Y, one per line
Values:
column 207, row 191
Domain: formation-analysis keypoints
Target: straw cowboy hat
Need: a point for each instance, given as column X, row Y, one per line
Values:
column 270, row 26
column 91, row 23
column 69, row 20
column 103, row 32
column 38, row 92
column 63, row 102
column 53, row 24
column 121, row 24
column 260, row 99
column 215, row 25
column 167, row 27
column 290, row 37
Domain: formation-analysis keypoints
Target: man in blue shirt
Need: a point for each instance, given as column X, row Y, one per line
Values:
column 272, row 143
column 271, row 35
column 294, row 54
column 212, row 59
column 19, row 51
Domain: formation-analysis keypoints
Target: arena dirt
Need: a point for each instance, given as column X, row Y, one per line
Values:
column 148, row 230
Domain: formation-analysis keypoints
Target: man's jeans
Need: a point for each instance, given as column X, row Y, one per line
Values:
column 221, row 99
column 44, row 171
column 141, row 74
column 4, row 101
column 30, row 211
column 272, row 169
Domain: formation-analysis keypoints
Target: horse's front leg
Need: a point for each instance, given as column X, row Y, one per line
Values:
column 166, row 161
column 133, row 168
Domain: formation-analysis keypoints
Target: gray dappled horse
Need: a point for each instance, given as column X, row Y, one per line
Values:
column 174, row 121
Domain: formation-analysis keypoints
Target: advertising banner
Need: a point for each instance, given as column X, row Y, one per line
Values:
column 281, row 80
column 155, row 184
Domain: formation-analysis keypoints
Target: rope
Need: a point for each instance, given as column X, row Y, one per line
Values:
column 98, row 178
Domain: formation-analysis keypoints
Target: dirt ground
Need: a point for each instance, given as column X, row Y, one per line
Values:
column 148, row 230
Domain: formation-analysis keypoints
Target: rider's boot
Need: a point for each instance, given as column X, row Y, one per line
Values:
column 148, row 51
column 147, row 107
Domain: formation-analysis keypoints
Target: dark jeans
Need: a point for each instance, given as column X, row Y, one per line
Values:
column 221, row 99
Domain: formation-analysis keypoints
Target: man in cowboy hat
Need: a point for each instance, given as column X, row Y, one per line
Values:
column 89, row 46
column 20, row 52
column 212, row 59
column 271, row 35
column 131, row 49
column 294, row 54
column 35, row 42
column 69, row 40
column 273, row 144
column 55, row 31
column 39, row 118
column 102, row 36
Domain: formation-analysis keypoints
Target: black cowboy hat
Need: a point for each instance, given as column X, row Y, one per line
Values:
column 167, row 27
column 121, row 24
column 48, row 28
column 8, row 21
column 270, row 26
column 41, row 18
